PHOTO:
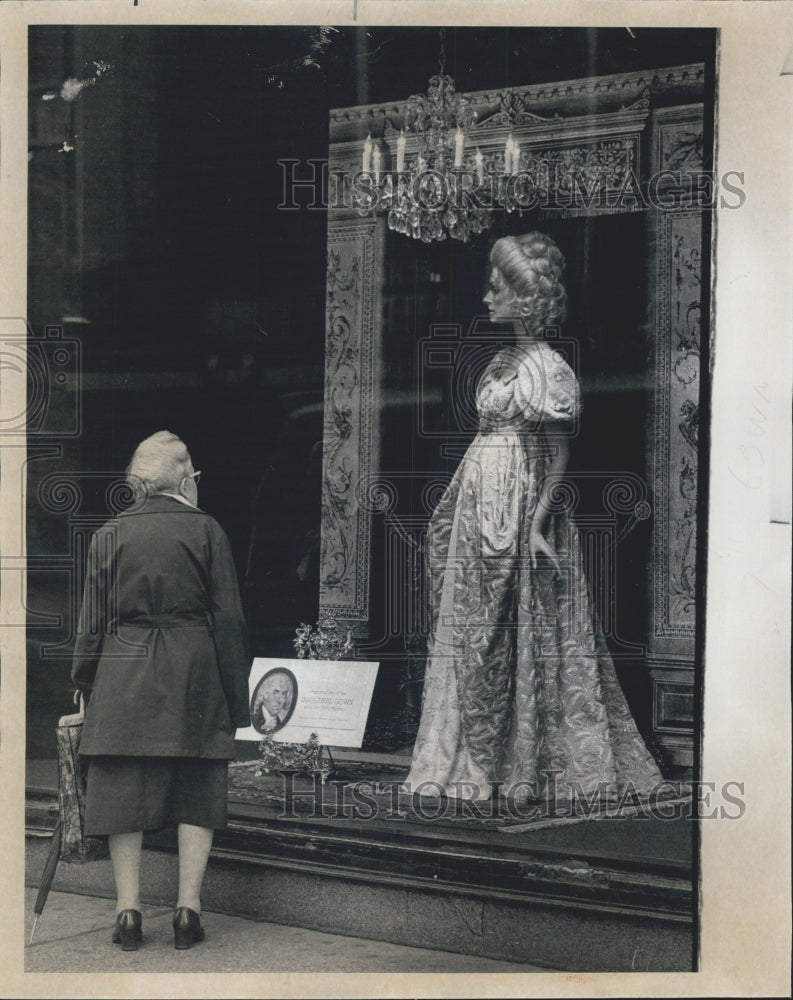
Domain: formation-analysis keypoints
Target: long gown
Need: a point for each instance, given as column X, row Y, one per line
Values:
column 520, row 687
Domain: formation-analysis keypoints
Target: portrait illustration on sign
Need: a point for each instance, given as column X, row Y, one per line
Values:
column 274, row 699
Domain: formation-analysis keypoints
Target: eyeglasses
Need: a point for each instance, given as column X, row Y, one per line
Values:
column 195, row 476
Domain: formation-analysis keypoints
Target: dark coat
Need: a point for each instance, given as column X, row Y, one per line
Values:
column 162, row 643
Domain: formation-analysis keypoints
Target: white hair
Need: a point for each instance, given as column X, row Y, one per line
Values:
column 160, row 463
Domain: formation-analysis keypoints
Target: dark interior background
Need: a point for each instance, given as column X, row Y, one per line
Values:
column 157, row 245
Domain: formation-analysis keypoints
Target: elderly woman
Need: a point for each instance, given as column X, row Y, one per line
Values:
column 162, row 649
column 520, row 689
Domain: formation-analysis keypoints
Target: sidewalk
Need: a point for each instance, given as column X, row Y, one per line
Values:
column 73, row 935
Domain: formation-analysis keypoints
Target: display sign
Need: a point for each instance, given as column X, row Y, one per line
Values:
column 291, row 699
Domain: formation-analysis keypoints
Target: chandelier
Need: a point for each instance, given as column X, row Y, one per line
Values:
column 433, row 181
column 439, row 187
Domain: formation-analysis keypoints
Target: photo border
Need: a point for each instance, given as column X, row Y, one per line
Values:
column 745, row 872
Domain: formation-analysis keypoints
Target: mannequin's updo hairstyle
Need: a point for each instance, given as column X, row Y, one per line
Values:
column 532, row 265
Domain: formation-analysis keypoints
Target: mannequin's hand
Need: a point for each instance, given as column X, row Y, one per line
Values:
column 538, row 546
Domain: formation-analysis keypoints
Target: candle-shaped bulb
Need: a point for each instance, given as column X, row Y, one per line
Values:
column 401, row 144
column 367, row 154
column 376, row 164
column 479, row 160
column 459, row 140
column 508, row 155
column 515, row 157
column 422, row 163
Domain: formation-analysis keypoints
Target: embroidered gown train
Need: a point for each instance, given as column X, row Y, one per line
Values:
column 519, row 681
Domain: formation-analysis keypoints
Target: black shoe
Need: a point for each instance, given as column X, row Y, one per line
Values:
column 187, row 929
column 127, row 931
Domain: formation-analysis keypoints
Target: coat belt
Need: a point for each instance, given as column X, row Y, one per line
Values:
column 180, row 619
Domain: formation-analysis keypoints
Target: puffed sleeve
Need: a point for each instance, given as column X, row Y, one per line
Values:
column 231, row 634
column 547, row 388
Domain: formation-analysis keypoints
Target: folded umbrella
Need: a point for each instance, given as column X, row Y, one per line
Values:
column 69, row 842
column 46, row 878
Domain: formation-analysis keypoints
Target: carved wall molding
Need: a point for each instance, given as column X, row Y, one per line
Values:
column 515, row 116
column 679, row 137
column 348, row 436
column 677, row 146
column 677, row 360
column 612, row 93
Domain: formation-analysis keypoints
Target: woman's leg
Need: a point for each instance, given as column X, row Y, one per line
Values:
column 194, row 845
column 125, row 851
